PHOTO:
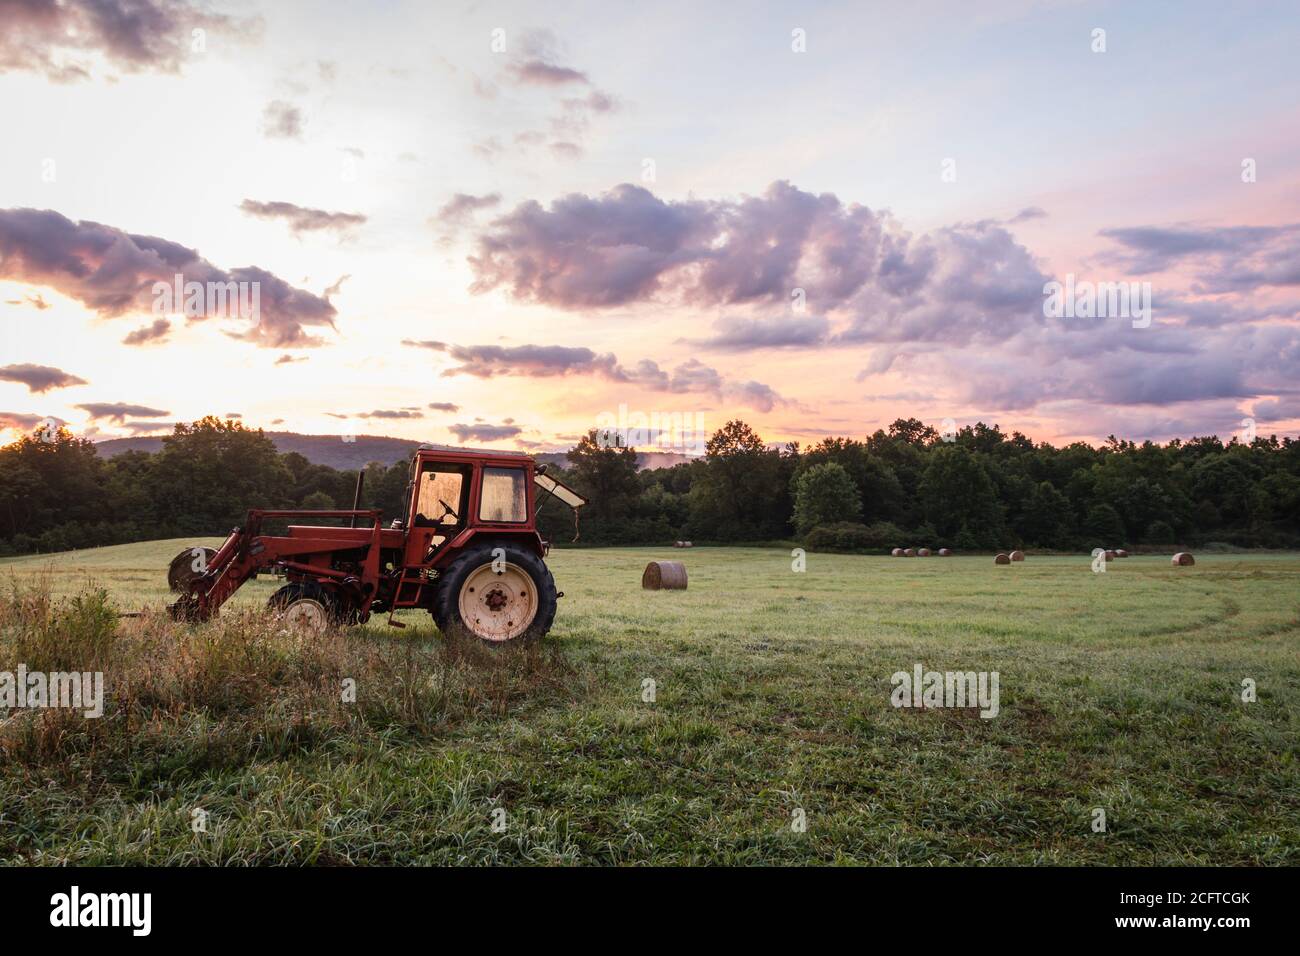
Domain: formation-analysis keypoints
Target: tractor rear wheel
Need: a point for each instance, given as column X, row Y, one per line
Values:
column 305, row 605
column 498, row 594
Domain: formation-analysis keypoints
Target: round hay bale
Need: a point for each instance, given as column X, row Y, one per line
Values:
column 909, row 553
column 1110, row 555
column 1002, row 559
column 1017, row 555
column 1121, row 553
column 687, row 544
column 1183, row 559
column 945, row 553
column 896, row 553
column 664, row 576
column 922, row 552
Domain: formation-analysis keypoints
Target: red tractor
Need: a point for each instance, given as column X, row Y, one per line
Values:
column 467, row 550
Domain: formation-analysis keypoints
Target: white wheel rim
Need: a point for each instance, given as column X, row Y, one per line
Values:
column 307, row 614
column 498, row 604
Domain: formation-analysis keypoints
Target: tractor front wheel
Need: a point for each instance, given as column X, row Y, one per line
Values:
column 305, row 605
column 188, row 566
column 498, row 594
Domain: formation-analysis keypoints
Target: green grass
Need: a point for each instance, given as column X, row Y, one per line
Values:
column 1118, row 690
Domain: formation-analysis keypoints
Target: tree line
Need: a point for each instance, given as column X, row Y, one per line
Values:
column 907, row 485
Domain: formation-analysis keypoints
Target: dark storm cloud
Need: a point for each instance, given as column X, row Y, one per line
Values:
column 39, row 378
column 59, row 38
column 113, row 273
column 301, row 218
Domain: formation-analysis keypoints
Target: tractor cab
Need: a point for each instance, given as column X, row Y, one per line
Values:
column 457, row 494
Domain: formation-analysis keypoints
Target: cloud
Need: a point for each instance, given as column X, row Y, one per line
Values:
column 281, row 120
column 288, row 359
column 551, row 361
column 462, row 206
column 113, row 273
column 540, row 65
column 629, row 246
column 63, row 39
column 1282, row 409
column 961, row 306
column 963, row 283
column 24, row 422
column 488, row 149
column 540, row 73
column 743, row 335
column 39, row 378
column 1225, row 258
column 154, row 332
column 1026, row 214
column 146, row 428
column 444, row 407
column 398, row 413
column 753, row 395
column 566, row 150
column 484, row 432
column 120, row 411
column 301, row 219
column 536, row 361
column 35, row 301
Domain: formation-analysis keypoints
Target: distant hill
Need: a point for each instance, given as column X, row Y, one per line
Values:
column 333, row 451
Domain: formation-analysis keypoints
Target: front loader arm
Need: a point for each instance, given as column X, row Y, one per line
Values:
column 246, row 549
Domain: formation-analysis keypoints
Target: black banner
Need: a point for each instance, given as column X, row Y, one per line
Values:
column 334, row 905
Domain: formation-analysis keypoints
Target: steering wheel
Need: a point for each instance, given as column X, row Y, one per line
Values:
column 450, row 510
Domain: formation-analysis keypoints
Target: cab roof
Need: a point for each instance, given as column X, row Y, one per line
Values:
column 482, row 452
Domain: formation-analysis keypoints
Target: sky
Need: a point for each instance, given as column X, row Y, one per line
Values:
column 502, row 225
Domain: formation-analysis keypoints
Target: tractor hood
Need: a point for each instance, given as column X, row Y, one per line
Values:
column 559, row 490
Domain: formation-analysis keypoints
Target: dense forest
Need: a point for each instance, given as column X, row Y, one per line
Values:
column 901, row 486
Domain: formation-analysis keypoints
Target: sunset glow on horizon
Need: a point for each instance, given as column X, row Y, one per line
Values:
column 486, row 227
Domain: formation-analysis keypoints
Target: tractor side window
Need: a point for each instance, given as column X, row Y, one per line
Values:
column 438, row 492
column 503, row 497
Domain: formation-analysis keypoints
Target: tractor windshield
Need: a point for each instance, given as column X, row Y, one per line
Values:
column 503, row 497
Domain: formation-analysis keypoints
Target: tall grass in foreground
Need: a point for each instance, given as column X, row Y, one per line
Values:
column 183, row 700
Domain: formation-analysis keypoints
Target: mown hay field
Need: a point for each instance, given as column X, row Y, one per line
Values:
column 771, row 704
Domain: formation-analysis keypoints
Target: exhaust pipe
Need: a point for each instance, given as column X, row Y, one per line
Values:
column 356, row 496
